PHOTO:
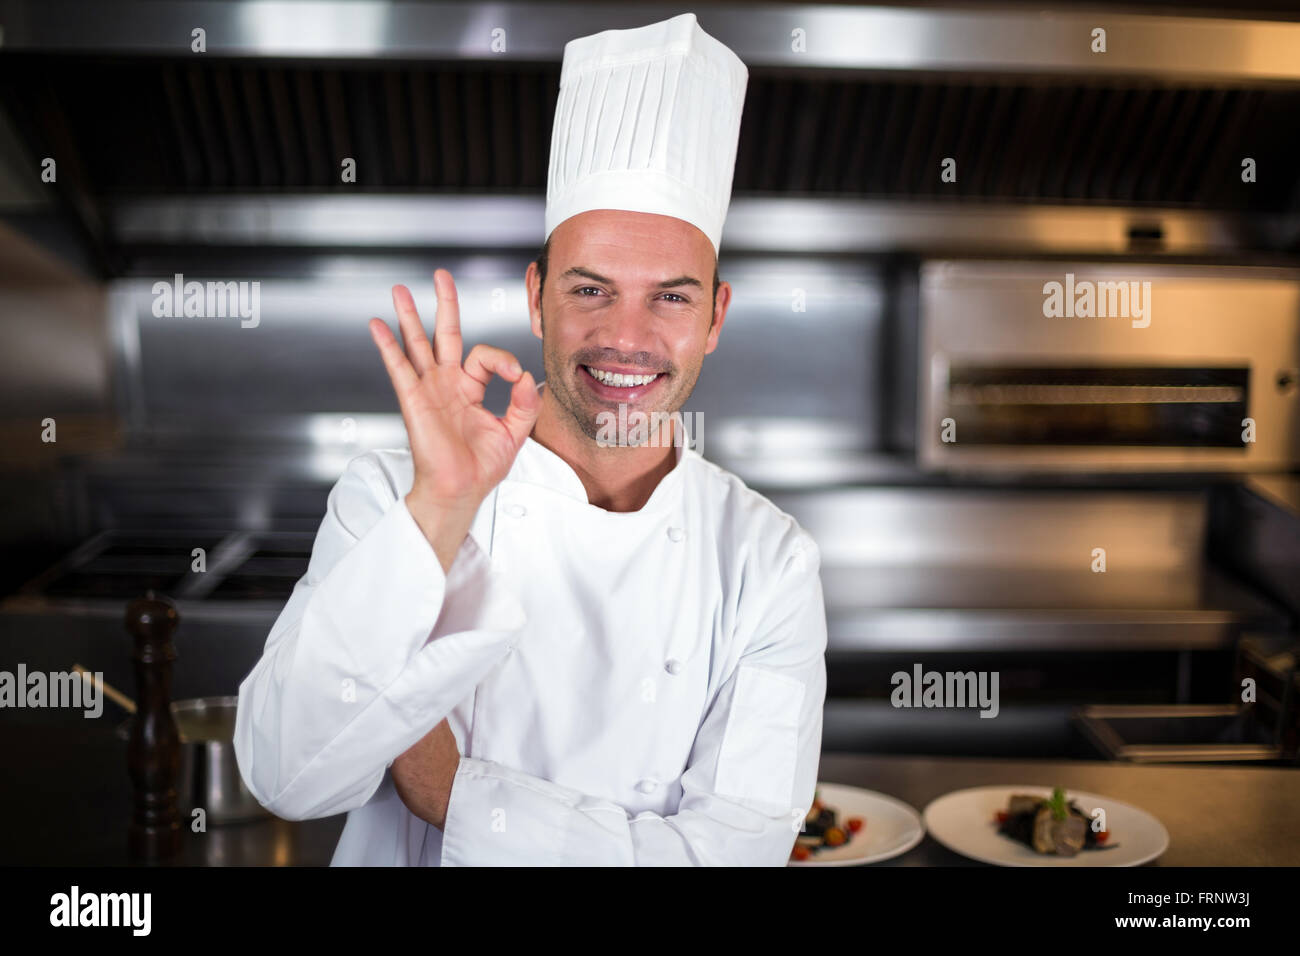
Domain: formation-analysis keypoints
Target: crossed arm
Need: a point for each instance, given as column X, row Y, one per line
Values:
column 424, row 774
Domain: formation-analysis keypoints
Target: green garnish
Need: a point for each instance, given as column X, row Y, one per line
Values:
column 1057, row 804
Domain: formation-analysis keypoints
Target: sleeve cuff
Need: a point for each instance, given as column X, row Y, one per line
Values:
column 476, row 597
column 479, row 622
column 498, row 816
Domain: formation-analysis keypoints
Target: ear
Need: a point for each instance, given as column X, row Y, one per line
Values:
column 719, row 316
column 533, row 286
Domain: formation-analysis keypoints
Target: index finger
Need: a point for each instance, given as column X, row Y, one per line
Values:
column 446, row 324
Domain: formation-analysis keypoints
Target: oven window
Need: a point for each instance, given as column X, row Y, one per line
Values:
column 1104, row 405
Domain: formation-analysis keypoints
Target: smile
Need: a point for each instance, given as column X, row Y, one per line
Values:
column 620, row 379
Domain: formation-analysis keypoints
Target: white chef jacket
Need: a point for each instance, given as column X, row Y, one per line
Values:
column 626, row 688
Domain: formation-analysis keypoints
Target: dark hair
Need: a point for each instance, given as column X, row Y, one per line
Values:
column 546, row 249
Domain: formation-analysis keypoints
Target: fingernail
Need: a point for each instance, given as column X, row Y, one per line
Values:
column 515, row 368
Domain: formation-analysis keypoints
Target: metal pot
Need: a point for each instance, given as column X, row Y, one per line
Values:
column 209, row 777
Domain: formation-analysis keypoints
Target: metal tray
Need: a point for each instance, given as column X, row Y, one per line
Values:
column 1179, row 733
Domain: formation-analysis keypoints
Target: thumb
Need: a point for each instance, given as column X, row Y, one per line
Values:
column 525, row 405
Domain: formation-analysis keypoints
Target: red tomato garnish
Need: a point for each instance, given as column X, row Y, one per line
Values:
column 800, row 852
column 856, row 824
column 1103, row 836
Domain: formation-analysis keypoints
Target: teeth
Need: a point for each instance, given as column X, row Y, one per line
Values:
column 618, row 379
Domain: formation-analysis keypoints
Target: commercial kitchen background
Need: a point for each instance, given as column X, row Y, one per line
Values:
column 873, row 301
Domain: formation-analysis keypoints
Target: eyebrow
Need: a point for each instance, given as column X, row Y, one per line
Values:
column 597, row 277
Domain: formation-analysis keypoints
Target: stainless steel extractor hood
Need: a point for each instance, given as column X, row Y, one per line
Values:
column 849, row 115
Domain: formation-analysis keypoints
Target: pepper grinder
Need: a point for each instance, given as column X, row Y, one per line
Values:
column 154, row 750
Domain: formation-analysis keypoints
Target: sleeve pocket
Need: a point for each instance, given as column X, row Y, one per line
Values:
column 760, row 746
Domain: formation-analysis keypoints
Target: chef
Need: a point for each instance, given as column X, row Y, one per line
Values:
column 519, row 642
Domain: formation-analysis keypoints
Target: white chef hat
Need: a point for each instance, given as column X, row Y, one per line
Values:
column 647, row 120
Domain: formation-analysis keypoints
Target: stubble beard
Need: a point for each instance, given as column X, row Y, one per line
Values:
column 583, row 415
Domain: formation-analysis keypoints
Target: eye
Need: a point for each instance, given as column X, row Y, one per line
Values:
column 680, row 298
column 581, row 290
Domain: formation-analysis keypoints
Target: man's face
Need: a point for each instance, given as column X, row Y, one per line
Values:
column 629, row 294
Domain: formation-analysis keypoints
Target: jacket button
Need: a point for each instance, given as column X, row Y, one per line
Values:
column 647, row 785
column 516, row 511
column 676, row 534
column 673, row 665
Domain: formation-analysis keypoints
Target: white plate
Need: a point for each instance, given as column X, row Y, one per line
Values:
column 891, row 827
column 963, row 821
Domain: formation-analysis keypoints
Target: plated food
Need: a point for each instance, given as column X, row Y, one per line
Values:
column 888, row 827
column 1050, row 825
column 967, row 822
column 823, row 828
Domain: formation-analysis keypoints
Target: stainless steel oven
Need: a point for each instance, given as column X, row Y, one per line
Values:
column 1048, row 366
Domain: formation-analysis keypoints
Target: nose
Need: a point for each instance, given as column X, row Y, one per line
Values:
column 628, row 327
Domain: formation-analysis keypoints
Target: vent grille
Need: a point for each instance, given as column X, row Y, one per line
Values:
column 144, row 127
column 1117, row 143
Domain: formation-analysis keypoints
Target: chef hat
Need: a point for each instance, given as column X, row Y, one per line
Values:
column 647, row 120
